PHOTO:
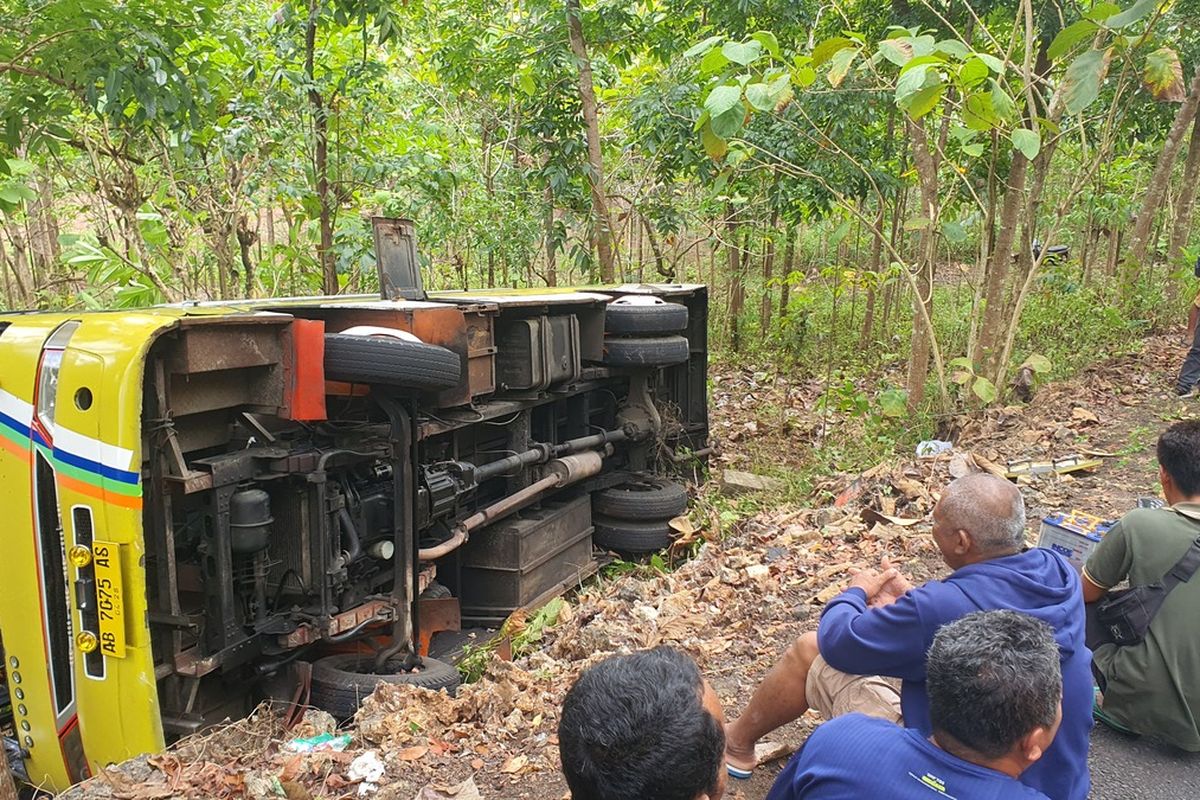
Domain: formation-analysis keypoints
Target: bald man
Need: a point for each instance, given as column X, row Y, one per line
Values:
column 880, row 629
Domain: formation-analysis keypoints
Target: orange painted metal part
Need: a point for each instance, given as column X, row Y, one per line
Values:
column 304, row 393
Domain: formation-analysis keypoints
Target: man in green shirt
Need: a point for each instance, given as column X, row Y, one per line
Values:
column 1154, row 687
column 1189, row 373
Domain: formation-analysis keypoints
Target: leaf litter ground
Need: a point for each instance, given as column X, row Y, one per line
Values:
column 744, row 597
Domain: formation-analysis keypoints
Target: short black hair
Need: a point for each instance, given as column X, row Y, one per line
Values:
column 635, row 727
column 992, row 677
column 1179, row 455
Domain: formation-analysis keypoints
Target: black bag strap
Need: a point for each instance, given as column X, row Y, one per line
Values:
column 1184, row 568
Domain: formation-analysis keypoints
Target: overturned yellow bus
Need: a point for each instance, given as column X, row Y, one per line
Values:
column 207, row 505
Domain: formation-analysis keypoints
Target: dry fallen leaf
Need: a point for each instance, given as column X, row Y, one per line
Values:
column 412, row 753
column 515, row 765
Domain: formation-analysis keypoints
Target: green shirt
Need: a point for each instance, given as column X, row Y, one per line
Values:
column 1154, row 687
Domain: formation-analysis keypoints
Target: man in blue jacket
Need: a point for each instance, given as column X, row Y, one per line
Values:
column 881, row 626
column 987, row 727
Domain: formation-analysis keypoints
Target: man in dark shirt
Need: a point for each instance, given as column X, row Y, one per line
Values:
column 995, row 703
column 878, row 628
column 643, row 726
column 1154, row 687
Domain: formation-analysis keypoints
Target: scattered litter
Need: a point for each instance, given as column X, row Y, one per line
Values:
column 1063, row 466
column 1151, row 502
column 933, row 447
column 320, row 743
column 368, row 769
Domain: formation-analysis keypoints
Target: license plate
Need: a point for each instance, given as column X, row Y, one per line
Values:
column 110, row 597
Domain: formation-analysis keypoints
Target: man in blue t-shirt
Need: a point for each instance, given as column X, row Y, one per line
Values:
column 880, row 629
column 995, row 703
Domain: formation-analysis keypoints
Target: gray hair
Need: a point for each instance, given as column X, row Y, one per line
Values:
column 992, row 677
column 989, row 508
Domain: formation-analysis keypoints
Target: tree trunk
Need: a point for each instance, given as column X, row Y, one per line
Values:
column 868, row 326
column 736, row 290
column 764, row 320
column 551, row 245
column 1187, row 195
column 587, row 94
column 921, row 344
column 246, row 239
column 789, row 260
column 1144, row 222
column 320, row 122
column 43, row 227
column 998, row 268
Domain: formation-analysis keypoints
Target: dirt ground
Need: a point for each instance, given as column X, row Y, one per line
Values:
column 734, row 607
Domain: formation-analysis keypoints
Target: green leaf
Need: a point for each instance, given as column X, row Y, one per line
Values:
column 714, row 145
column 721, row 99
column 985, row 390
column 1071, row 36
column 973, row 72
column 16, row 193
column 839, row 66
column 962, row 362
column 713, row 62
column 1101, row 11
column 893, row 403
column 954, row 231
column 922, row 45
column 953, row 47
column 897, row 51
column 729, row 123
column 1002, row 104
column 1027, row 141
column 1163, row 76
column 527, row 84
column 701, row 47
column 759, row 96
column 916, row 223
column 828, row 48
column 768, row 42
column 961, row 377
column 910, row 83
column 973, row 150
column 993, row 63
column 805, row 77
column 978, row 114
column 1038, row 363
column 1132, row 14
column 742, row 52
column 1081, row 84
column 925, row 100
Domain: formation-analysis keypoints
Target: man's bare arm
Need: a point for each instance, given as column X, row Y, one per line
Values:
column 1092, row 591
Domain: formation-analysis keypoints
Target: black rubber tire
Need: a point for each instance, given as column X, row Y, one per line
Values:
column 661, row 351
column 340, row 682
column 623, row 320
column 642, row 497
column 630, row 536
column 391, row 362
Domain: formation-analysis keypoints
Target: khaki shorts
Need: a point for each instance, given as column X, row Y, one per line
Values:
column 833, row 693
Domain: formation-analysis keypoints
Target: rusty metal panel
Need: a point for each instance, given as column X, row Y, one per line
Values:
column 218, row 347
column 396, row 254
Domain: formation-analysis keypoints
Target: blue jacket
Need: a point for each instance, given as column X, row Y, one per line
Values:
column 893, row 641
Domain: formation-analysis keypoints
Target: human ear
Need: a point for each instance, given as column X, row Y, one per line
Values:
column 1035, row 743
column 962, row 542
